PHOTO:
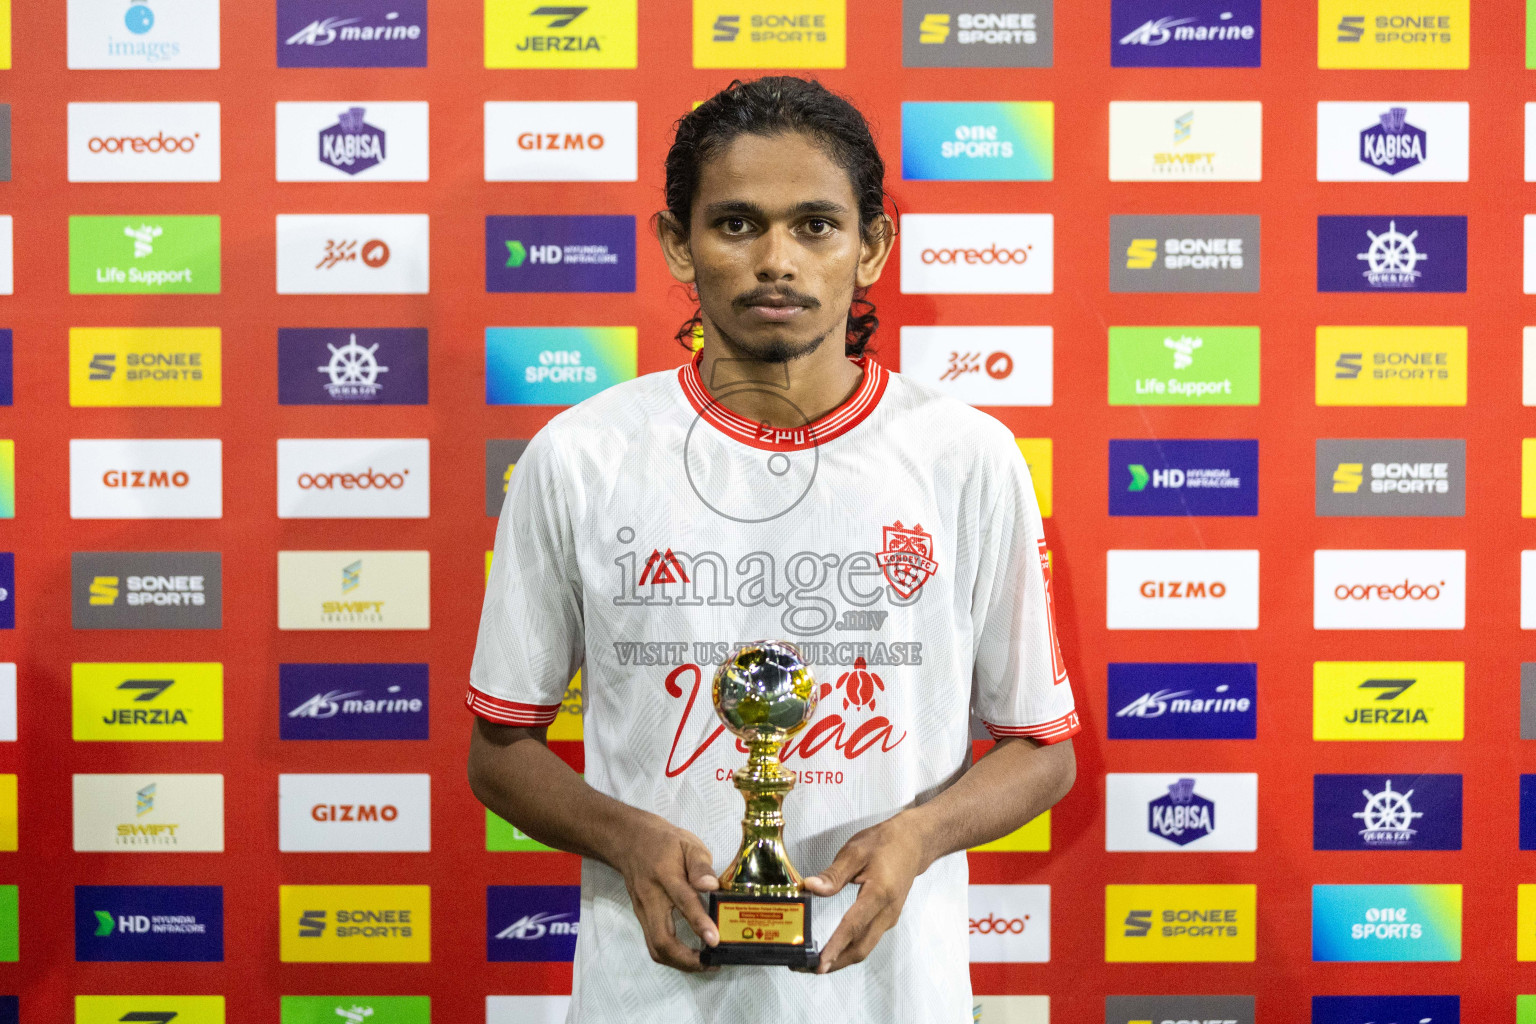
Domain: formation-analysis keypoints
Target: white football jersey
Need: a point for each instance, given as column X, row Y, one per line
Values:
column 896, row 541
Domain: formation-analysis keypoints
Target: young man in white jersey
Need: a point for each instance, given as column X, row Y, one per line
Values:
column 757, row 493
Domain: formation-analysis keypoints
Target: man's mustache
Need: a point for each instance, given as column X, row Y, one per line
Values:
column 784, row 297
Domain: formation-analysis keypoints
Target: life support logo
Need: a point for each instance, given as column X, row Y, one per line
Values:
column 1010, row 923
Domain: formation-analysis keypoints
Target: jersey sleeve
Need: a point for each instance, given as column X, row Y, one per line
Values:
column 1020, row 686
column 531, row 638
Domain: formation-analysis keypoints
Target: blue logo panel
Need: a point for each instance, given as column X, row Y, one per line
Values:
column 351, row 34
column 531, row 923
column 353, row 701
column 1392, row 254
column 352, row 366
column 1386, row 812
column 1386, row 1009
column 10, row 1010
column 1386, row 923
column 1185, row 34
column 1183, row 478
column 560, row 254
column 7, row 590
column 1528, row 812
column 7, row 387
column 1183, row 700
column 140, row 923
column 977, row 141
column 556, row 365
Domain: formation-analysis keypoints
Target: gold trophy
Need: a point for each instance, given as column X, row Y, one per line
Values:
column 764, row 693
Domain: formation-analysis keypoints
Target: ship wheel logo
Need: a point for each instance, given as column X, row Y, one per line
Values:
column 1392, row 257
column 1388, row 816
column 353, row 369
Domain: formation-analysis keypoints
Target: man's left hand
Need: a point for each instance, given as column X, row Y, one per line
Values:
column 882, row 861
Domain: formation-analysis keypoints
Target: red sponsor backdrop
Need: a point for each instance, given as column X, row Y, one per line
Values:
column 457, row 421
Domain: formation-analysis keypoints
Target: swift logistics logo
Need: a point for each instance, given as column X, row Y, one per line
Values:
column 500, row 460
column 1183, row 700
column 354, row 813
column 1388, row 700
column 355, row 701
column 352, row 141
column 355, row 1010
column 330, row 924
column 1386, row 812
column 352, row 366
column 1380, row 366
column 168, row 35
column 1185, row 141
column 1183, row 366
column 1392, row 141
column 351, row 34
column 982, row 366
column 1407, row 477
column 1389, row 589
column 353, row 478
column 542, row 253
column 353, row 590
column 764, row 34
column 149, row 923
column 529, row 34
column 145, row 367
column 1185, row 34
column 147, row 701
column 1392, row 254
column 531, row 923
column 1182, row 589
column 143, row 141
column 146, row 589
column 1183, row 478
column 556, row 365
column 1180, row 923
column 1179, row 1010
column 146, row 479
column 148, row 1009
column 1384, row 34
column 976, row 34
column 978, row 141
column 1181, row 813
column 977, row 254
column 1386, row 923
column 148, row 813
column 1370, row 1009
column 144, row 255
column 561, row 141
column 1009, row 924
column 1184, row 253
column 353, row 254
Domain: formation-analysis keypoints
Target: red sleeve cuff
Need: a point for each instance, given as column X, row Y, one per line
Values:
column 509, row 712
column 1046, row 733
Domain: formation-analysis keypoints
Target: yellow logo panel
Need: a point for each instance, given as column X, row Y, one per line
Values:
column 1392, row 34
column 177, row 1009
column 1388, row 700
column 567, row 723
column 137, row 700
column 1034, row 837
column 5, row 35
column 1179, row 923
column 1525, row 923
column 1528, row 477
column 354, row 924
column 1391, row 366
column 758, row 34
column 1037, row 454
column 8, row 813
column 527, row 34
column 145, row 366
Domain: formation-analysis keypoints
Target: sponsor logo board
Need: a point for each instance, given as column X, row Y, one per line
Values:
column 1183, row 366
column 1183, row 253
column 578, row 253
column 1395, row 923
column 7, row 384
column 351, row 34
column 531, row 923
column 1384, row 34
column 1182, row 589
column 983, row 366
column 1011, row 1009
column 1386, row 812
column 1527, row 589
column 144, row 367
column 1392, row 140
column 353, row 478
column 1185, row 34
column 1183, row 700
column 353, row 590
column 149, row 1009
column 354, row 813
column 7, row 702
column 1185, row 141
column 977, row 254
column 147, row 701
column 1525, row 923
column 144, row 255
column 561, row 141
column 149, row 813
column 765, row 34
column 976, row 34
column 1392, row 254
column 526, row 34
column 978, row 141
column 1178, row 1009
column 501, row 836
column 167, row 35
column 1181, row 813
column 7, row 590
column 353, row 254
column 1032, row 837
column 352, row 140
column 1388, row 700
column 357, row 701
column 556, row 365
column 352, row 366
column 1010, row 924
column 146, row 589
column 333, row 924
column 526, row 1009
column 1183, row 478
column 1179, row 923
column 1391, row 477
column 146, row 479
column 1381, row 589
column 355, row 1010
column 500, row 459
column 1038, row 458
column 149, row 923
column 1528, row 700
column 143, row 141
column 1368, row 1009
column 1365, row 366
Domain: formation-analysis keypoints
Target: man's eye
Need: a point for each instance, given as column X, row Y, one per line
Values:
column 817, row 226
column 735, row 225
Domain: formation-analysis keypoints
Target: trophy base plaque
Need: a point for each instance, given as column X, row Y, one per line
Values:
column 769, row 931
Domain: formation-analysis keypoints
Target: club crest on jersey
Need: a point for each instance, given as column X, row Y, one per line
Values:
column 907, row 559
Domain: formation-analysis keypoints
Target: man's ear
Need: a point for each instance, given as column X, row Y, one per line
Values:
column 674, row 247
column 874, row 250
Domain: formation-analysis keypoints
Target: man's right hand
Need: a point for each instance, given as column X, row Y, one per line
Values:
column 666, row 867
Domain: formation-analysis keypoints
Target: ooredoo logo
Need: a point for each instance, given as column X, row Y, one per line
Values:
column 1183, row 589
column 986, row 257
column 157, row 143
column 977, row 254
column 1010, row 923
column 143, row 141
column 368, row 479
column 1403, row 591
column 353, row 478
column 1389, row 589
column 994, row 925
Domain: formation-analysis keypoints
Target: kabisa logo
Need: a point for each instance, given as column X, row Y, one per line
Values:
column 120, row 701
column 531, row 923
column 1185, row 34
column 1183, row 700
column 579, row 253
column 1386, row 700
column 1395, row 923
column 1386, row 1010
column 977, row 141
column 1192, row 478
column 1180, row 1010
column 556, row 365
column 140, row 923
column 1393, row 145
column 340, row 141
column 355, row 924
column 1385, row 812
column 1392, row 254
column 353, row 701
column 351, row 145
column 1181, row 815
column 351, row 366
column 528, row 34
column 976, row 34
column 356, row 1010
column 147, row 589
column 351, row 34
column 1179, row 923
column 1161, row 253
column 1391, row 477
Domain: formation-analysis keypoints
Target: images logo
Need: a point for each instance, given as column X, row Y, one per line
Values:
column 556, row 365
column 560, row 254
column 1194, row 34
column 1408, row 1009
column 342, row 142
column 353, row 590
column 977, row 141
column 353, row 478
column 1179, row 1010
column 527, row 34
column 1192, row 478
column 149, row 813
column 148, row 1009
column 1383, row 812
column 146, row 479
column 990, row 366
column 1391, row 34
column 145, row 366
column 143, row 923
column 143, row 142
column 1182, row 589
column 1387, row 700
column 759, row 34
column 1154, row 701
column 146, row 589
column 155, row 701
column 1383, row 141
column 976, row 34
column 531, row 923
column 104, row 34
column 1179, row 923
column 351, row 366
column 356, row 1010
column 352, row 701
column 144, row 255
column 1398, row 589
column 1392, row 254
column 1391, row 366
column 1175, row 813
column 1391, row 478
column 354, row 813
column 1010, row 924
column 353, row 254
column 1160, row 253
column 1201, row 141
column 351, row 34
column 977, row 254
column 561, row 141
column 332, row 924
column 1397, row 923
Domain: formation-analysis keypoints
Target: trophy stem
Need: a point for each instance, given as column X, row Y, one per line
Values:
column 761, row 866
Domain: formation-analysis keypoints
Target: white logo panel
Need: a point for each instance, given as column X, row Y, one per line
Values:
column 526, row 1009
column 132, row 478
column 354, row 813
column 977, row 253
column 1186, row 141
column 144, row 142
column 149, row 813
column 353, row 478
column 1010, row 924
column 352, row 140
column 1011, row 1009
column 1181, row 813
column 984, row 366
column 352, row 254
column 1392, row 140
column 7, row 702
column 561, row 141
column 1528, row 590
column 1182, row 589
column 1389, row 589
column 166, row 35
column 354, row 590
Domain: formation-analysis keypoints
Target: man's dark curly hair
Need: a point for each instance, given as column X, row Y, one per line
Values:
column 774, row 106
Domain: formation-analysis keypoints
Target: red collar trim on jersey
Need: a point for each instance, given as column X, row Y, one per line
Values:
column 774, row 439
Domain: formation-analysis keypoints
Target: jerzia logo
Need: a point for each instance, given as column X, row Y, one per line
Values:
column 1364, row 700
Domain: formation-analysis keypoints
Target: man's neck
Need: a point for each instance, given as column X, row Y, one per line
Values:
column 785, row 395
